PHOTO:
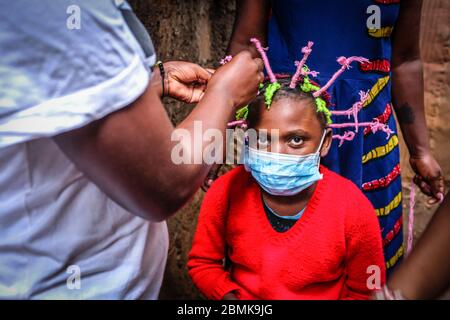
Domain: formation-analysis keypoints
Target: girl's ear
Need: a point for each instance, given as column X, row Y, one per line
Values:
column 326, row 142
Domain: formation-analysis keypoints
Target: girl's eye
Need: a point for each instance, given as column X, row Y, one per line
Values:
column 296, row 141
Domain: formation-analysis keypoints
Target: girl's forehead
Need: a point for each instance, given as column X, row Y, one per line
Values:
column 287, row 111
column 288, row 115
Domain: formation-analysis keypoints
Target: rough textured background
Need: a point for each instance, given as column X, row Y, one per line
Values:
column 198, row 30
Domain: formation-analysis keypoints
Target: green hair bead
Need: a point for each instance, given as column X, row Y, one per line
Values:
column 305, row 68
column 307, row 86
column 322, row 107
column 242, row 113
column 269, row 93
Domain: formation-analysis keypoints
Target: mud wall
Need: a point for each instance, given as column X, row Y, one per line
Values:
column 198, row 31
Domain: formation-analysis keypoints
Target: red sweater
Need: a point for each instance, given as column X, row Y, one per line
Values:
column 325, row 255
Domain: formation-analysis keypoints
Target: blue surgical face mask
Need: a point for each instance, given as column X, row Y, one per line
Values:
column 283, row 174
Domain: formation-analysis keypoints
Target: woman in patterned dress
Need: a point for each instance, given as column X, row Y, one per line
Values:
column 387, row 33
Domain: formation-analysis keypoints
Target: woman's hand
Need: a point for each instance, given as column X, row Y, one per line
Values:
column 428, row 176
column 184, row 81
column 237, row 81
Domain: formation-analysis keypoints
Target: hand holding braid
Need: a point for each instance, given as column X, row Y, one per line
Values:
column 300, row 81
column 182, row 80
column 237, row 81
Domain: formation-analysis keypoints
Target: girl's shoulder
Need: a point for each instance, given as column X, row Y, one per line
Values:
column 340, row 186
column 344, row 197
column 237, row 173
column 236, row 178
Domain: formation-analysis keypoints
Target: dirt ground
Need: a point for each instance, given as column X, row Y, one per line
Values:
column 198, row 30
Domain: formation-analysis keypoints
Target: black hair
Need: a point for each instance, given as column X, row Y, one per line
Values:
column 254, row 108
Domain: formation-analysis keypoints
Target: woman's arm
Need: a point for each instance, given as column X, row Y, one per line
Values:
column 408, row 99
column 250, row 21
column 206, row 259
column 425, row 274
column 128, row 154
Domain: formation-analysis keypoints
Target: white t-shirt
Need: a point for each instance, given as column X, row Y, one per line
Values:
column 61, row 237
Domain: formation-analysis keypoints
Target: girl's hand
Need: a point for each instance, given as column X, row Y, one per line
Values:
column 184, row 81
column 230, row 296
column 211, row 177
column 428, row 176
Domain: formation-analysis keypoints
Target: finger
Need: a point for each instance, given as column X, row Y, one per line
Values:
column 202, row 73
column 197, row 94
column 432, row 200
column 424, row 187
column 437, row 186
column 206, row 185
column 261, row 77
column 259, row 63
column 210, row 70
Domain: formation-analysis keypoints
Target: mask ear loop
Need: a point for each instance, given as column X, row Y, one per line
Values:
column 320, row 146
column 321, row 141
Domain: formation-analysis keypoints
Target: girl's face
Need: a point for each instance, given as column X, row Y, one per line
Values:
column 299, row 129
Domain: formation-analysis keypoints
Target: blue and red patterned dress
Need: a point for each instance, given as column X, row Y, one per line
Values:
column 341, row 28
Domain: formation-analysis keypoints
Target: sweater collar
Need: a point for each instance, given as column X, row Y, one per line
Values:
column 313, row 204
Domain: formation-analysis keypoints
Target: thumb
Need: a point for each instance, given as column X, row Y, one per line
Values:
column 197, row 93
column 437, row 187
column 202, row 73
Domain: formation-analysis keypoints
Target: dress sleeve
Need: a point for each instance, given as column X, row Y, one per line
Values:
column 68, row 64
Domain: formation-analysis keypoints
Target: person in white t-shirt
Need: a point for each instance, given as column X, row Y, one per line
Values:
column 86, row 177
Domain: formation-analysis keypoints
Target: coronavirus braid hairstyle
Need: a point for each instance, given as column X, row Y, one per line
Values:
column 284, row 90
column 301, row 86
column 298, row 85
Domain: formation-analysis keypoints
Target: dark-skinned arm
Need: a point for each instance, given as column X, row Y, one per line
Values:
column 251, row 21
column 128, row 153
column 408, row 99
column 425, row 273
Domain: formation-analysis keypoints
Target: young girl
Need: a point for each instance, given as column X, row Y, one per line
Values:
column 290, row 228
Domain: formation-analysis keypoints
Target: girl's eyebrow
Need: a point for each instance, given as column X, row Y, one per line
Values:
column 285, row 134
column 299, row 132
